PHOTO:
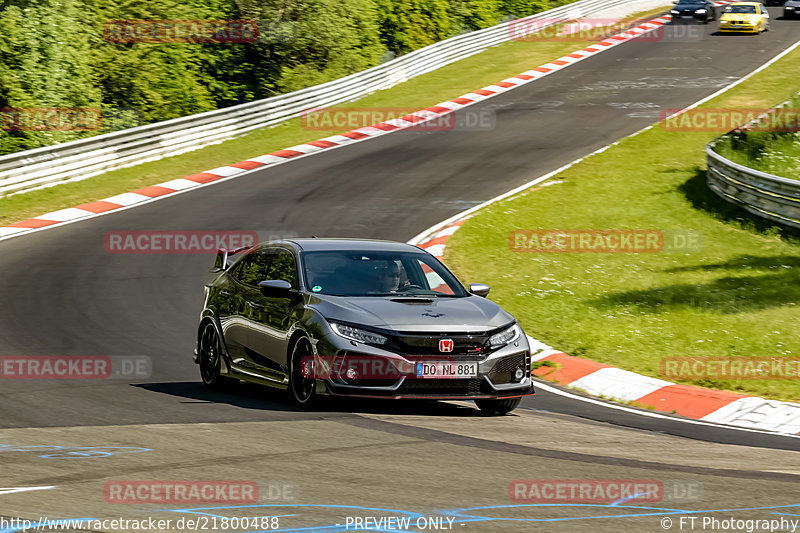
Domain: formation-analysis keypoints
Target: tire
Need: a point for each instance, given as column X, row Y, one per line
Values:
column 498, row 407
column 211, row 359
column 301, row 391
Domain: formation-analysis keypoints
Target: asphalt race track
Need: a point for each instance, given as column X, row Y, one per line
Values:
column 63, row 294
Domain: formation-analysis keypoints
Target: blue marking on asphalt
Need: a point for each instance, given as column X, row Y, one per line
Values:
column 73, row 452
column 629, row 498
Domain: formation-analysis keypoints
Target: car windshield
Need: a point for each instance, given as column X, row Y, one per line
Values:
column 690, row 3
column 369, row 273
column 750, row 10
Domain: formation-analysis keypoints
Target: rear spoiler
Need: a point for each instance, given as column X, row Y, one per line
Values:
column 223, row 260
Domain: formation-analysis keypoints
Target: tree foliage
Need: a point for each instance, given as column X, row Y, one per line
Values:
column 53, row 53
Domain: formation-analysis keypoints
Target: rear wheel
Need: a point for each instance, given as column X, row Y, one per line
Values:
column 498, row 407
column 302, row 391
column 211, row 359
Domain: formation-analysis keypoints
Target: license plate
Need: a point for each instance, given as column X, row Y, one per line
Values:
column 447, row 370
column 687, row 16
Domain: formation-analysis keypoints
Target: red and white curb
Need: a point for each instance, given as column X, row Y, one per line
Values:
column 605, row 381
column 177, row 186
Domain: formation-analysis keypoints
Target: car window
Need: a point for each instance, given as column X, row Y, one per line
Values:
column 741, row 9
column 283, row 266
column 252, row 268
column 371, row 273
column 432, row 280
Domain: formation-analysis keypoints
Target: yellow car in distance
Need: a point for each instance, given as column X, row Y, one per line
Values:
column 744, row 17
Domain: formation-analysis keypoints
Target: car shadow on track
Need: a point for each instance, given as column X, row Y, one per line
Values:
column 250, row 396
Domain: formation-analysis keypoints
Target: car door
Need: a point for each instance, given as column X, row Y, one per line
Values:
column 270, row 339
column 245, row 276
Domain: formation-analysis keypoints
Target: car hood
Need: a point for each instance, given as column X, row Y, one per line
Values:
column 689, row 7
column 472, row 313
column 749, row 17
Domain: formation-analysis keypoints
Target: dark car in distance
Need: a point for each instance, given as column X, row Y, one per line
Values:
column 701, row 10
column 362, row 318
column 791, row 9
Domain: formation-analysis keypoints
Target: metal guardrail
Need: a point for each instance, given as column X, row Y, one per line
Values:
column 83, row 158
column 768, row 196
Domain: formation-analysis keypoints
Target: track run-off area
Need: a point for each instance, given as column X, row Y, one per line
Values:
column 438, row 464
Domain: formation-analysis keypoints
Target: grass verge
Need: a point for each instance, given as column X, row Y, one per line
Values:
column 777, row 153
column 483, row 69
column 737, row 296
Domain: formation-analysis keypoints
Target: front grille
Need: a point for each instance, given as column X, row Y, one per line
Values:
column 454, row 387
column 428, row 344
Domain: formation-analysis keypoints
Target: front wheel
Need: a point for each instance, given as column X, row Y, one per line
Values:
column 498, row 407
column 302, row 391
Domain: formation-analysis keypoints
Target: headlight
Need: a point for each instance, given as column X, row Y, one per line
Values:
column 360, row 335
column 504, row 337
column 674, row 11
column 700, row 11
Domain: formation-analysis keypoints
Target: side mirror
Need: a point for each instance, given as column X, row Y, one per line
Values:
column 275, row 288
column 479, row 289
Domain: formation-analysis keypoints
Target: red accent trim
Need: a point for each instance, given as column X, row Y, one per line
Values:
column 559, row 62
column 577, row 56
column 384, row 126
column 524, row 77
column 505, row 84
column 462, row 101
column 484, row 92
column 542, row 69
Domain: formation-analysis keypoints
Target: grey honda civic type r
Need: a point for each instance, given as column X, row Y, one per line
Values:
column 354, row 317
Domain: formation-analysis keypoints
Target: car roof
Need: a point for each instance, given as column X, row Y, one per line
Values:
column 330, row 245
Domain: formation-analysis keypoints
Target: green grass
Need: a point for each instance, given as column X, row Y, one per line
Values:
column 737, row 296
column 775, row 152
column 483, row 69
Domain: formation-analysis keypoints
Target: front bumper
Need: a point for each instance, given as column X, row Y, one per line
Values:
column 738, row 28
column 495, row 377
column 688, row 17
